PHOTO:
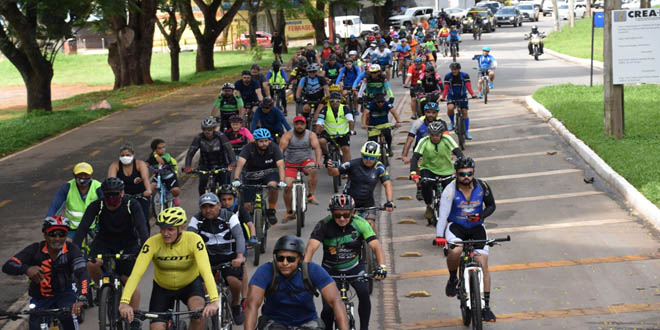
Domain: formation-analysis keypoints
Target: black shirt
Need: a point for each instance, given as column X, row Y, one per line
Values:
column 258, row 165
column 310, row 55
column 248, row 92
column 215, row 152
column 122, row 227
column 277, row 41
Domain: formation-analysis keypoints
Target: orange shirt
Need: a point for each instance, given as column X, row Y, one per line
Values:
column 425, row 24
column 413, row 46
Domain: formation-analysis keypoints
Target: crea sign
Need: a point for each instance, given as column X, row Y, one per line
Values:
column 636, row 46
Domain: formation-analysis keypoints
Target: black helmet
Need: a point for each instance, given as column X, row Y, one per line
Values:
column 454, row 65
column 290, row 243
column 332, row 57
column 227, row 189
column 303, row 63
column 437, row 127
column 463, row 162
column 235, row 119
column 276, row 64
column 335, row 96
column 341, row 202
column 112, row 184
column 267, row 102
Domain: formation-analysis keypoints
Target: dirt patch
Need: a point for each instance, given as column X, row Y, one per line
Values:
column 15, row 98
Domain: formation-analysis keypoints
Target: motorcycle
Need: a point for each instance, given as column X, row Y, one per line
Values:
column 536, row 40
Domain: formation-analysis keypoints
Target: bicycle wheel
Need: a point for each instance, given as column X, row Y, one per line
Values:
column 370, row 263
column 300, row 214
column 475, row 301
column 460, row 130
column 384, row 151
column 264, row 229
column 157, row 202
column 351, row 316
column 484, row 88
column 105, row 302
column 336, row 180
column 258, row 220
column 227, row 318
column 404, row 72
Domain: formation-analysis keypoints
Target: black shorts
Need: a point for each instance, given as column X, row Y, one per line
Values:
column 249, row 193
column 170, row 182
column 163, row 299
column 343, row 140
column 123, row 267
column 230, row 271
column 413, row 91
column 455, row 232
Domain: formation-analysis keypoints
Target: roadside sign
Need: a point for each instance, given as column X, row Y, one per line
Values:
column 599, row 19
column 636, row 46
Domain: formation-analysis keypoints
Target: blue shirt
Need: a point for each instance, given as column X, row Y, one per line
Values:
column 349, row 76
column 283, row 307
column 485, row 62
column 454, row 35
column 461, row 207
column 311, row 85
column 57, row 204
column 378, row 116
column 272, row 121
column 248, row 92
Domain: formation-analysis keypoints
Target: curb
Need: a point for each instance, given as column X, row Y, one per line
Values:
column 640, row 204
column 580, row 61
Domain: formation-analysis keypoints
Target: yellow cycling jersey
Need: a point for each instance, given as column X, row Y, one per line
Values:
column 175, row 265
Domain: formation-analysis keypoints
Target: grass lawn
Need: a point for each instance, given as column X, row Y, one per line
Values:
column 636, row 156
column 577, row 41
column 21, row 129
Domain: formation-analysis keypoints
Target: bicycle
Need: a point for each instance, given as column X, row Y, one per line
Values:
column 224, row 319
column 110, row 292
column 385, row 151
column 406, row 64
column 344, row 286
column 334, row 154
column 445, row 47
column 249, row 111
column 439, row 184
column 211, row 184
column 395, row 65
column 476, row 30
column 367, row 256
column 298, row 198
column 313, row 104
column 278, row 92
column 48, row 317
column 162, row 197
column 258, row 218
column 459, row 128
column 453, row 47
column 172, row 317
column 471, row 281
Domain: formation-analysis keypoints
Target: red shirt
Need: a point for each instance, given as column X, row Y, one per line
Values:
column 415, row 74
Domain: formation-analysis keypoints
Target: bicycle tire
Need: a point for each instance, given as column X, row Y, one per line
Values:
column 227, row 318
column 384, row 151
column 258, row 218
column 404, row 72
column 264, row 229
column 370, row 264
column 485, row 88
column 351, row 316
column 300, row 214
column 156, row 204
column 465, row 315
column 460, row 131
column 475, row 301
column 336, row 180
column 105, row 301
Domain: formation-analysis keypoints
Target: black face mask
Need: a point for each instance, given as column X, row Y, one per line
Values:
column 84, row 182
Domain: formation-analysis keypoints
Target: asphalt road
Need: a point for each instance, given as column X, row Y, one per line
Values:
column 578, row 259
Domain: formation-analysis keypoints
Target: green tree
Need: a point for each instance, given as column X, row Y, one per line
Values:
column 31, row 34
column 172, row 29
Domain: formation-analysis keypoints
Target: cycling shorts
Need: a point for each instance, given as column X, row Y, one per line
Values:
column 292, row 172
column 163, row 299
column 236, row 272
column 343, row 140
column 459, row 104
column 249, row 193
column 456, row 233
column 123, row 267
column 169, row 183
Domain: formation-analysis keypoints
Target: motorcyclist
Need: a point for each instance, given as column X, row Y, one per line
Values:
column 535, row 31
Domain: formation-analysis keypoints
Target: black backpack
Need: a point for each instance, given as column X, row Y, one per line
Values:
column 274, row 285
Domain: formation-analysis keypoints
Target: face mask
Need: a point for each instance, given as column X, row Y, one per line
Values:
column 112, row 201
column 126, row 159
column 84, row 182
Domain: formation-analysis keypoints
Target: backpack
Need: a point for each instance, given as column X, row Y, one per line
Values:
column 309, row 285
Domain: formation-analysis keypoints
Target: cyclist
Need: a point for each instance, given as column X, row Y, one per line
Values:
column 238, row 135
column 366, row 55
column 457, row 85
column 337, row 122
column 414, row 72
column 431, row 46
column 227, row 105
column 264, row 165
column 271, row 118
column 261, row 79
column 374, row 83
column 298, row 72
column 347, row 76
column 181, row 263
column 295, row 60
column 121, row 228
column 159, row 158
column 51, row 265
column 300, row 148
column 394, row 44
column 443, row 35
column 74, row 196
column 277, row 76
column 435, row 151
column 312, row 87
column 326, row 51
column 331, row 69
column 249, row 90
column 530, row 47
column 376, row 115
column 289, row 285
column 221, row 231
column 311, row 55
column 215, row 151
column 342, row 234
column 487, row 64
column 466, row 202
column 404, row 52
column 135, row 175
column 363, row 175
column 419, row 129
column 454, row 38
column 431, row 82
column 426, row 55
column 352, row 45
column 383, row 57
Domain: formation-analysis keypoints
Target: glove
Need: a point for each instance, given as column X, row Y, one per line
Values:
column 414, row 176
column 381, row 271
column 391, row 100
column 440, row 241
column 282, row 184
column 187, row 169
column 236, row 183
column 389, row 205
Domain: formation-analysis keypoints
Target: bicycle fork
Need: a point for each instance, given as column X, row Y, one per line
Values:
column 466, row 283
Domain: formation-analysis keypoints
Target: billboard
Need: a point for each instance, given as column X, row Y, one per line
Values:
column 636, row 46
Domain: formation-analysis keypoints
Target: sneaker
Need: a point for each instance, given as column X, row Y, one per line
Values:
column 488, row 314
column 450, row 289
column 270, row 215
column 289, row 216
column 480, row 95
column 237, row 313
column 491, row 85
column 312, row 200
column 429, row 212
column 136, row 325
column 468, row 136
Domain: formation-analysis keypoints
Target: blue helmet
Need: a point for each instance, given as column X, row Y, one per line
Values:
column 418, row 60
column 261, row 133
column 486, row 49
column 431, row 106
column 352, row 36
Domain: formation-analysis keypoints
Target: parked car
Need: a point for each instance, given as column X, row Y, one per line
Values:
column 345, row 26
column 529, row 12
column 454, row 13
column 493, row 6
column 487, row 18
column 411, row 17
column 508, row 16
column 243, row 41
column 563, row 12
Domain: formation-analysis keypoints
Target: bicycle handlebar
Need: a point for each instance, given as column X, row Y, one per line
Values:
column 211, row 171
column 36, row 312
column 118, row 256
column 344, row 277
column 142, row 315
column 489, row 242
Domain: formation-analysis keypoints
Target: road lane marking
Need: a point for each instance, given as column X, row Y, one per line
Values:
column 505, row 230
column 549, row 314
column 501, row 177
column 5, row 202
column 518, row 138
column 521, row 115
column 138, row 130
column 94, row 153
column 527, row 154
column 534, row 265
column 117, row 141
column 155, row 122
column 68, row 167
column 505, row 126
column 553, row 196
column 38, row 183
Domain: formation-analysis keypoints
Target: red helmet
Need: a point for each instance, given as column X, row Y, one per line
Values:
column 371, row 38
column 55, row 223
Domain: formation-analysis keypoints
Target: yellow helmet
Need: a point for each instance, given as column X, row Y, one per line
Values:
column 172, row 217
column 335, row 88
column 83, row 167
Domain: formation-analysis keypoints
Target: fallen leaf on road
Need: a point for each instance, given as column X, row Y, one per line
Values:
column 406, row 221
column 404, row 198
column 414, row 294
column 411, row 254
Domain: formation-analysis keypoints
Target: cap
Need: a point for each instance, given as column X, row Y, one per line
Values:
column 300, row 118
column 83, row 167
column 208, row 198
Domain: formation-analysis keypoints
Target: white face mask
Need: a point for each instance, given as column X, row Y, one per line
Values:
column 126, row 159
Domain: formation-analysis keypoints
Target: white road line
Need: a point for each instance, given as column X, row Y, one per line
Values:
column 521, row 115
column 528, row 154
column 479, row 129
column 520, row 138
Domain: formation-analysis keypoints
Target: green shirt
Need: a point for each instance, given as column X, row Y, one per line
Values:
column 437, row 157
column 430, row 45
column 229, row 104
column 342, row 246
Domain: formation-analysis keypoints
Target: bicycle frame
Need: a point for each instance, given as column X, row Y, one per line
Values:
column 172, row 316
column 165, row 198
column 110, row 290
column 211, row 184
column 344, row 287
column 224, row 317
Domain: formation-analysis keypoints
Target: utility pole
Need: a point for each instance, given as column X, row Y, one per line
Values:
column 571, row 13
column 588, row 3
column 555, row 14
column 613, row 94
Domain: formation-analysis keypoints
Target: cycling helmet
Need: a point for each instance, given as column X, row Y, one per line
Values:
column 463, row 162
column 334, row 88
column 335, row 96
column 370, row 149
column 486, row 49
column 267, row 102
column 112, row 184
column 303, row 63
column 55, row 223
column 379, row 98
column 261, row 133
column 431, row 106
column 276, row 64
column 381, row 43
column 83, row 167
column 352, row 52
column 289, row 243
column 418, row 60
column 209, row 122
column 371, row 38
column 395, row 36
column 172, row 217
column 227, row 189
column 326, row 41
column 373, row 44
column 235, row 119
column 374, row 68
column 534, row 27
column 332, row 57
column 430, row 69
column 352, row 36
column 437, row 127
column 313, row 67
column 341, row 202
column 454, row 65
column 228, row 85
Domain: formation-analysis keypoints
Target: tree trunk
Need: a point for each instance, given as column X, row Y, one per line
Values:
column 571, row 13
column 174, row 64
column 588, row 8
column 645, row 4
column 37, row 84
column 204, row 59
column 555, row 15
column 269, row 20
column 319, row 24
column 281, row 28
column 382, row 13
column 252, row 23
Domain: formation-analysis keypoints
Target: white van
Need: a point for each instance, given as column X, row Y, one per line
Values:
column 345, row 26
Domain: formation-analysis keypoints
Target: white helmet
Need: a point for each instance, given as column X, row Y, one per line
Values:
column 352, row 52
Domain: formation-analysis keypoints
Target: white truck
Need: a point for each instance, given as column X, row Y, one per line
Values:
column 345, row 26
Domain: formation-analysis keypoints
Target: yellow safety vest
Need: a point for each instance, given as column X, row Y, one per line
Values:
column 336, row 126
column 75, row 206
column 276, row 78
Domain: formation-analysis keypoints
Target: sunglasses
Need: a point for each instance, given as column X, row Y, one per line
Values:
column 57, row 233
column 289, row 259
column 334, row 100
column 342, row 215
column 369, row 157
column 465, row 174
column 112, row 193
